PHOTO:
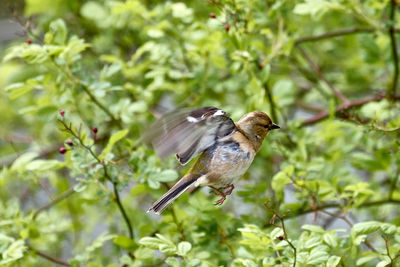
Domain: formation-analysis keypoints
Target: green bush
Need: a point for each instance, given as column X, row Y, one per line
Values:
column 323, row 191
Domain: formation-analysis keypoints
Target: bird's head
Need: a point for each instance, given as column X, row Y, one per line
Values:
column 256, row 125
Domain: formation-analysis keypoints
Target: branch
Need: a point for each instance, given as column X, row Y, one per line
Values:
column 334, row 33
column 100, row 105
column 10, row 159
column 271, row 103
column 48, row 257
column 121, row 208
column 337, row 33
column 77, row 82
column 357, row 103
column 393, row 184
column 322, row 76
column 64, row 195
column 394, row 49
column 344, row 218
column 338, row 205
column 224, row 241
column 272, row 222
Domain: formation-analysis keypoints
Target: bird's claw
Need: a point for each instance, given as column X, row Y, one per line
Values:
column 230, row 189
column 222, row 193
column 220, row 201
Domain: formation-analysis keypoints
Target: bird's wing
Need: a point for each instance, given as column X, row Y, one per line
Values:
column 188, row 133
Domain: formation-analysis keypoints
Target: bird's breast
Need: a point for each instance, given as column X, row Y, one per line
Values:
column 227, row 161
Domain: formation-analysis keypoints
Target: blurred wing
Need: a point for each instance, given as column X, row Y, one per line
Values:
column 187, row 133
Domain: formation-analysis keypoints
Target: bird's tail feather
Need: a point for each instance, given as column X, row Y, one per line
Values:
column 173, row 193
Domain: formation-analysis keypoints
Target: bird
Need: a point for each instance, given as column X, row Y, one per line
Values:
column 226, row 148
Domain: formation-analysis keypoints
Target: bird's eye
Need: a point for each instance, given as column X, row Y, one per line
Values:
column 266, row 126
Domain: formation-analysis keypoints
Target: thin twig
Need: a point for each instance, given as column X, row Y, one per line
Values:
column 388, row 252
column 271, row 102
column 276, row 215
column 100, row 105
column 393, row 184
column 357, row 103
column 224, row 241
column 337, row 93
column 121, row 207
column 64, row 195
column 395, row 55
column 69, row 129
column 77, row 82
column 344, row 218
column 308, row 107
column 338, row 205
column 334, row 33
column 178, row 224
column 48, row 257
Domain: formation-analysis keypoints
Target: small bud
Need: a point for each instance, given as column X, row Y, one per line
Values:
column 227, row 27
column 62, row 150
column 95, row 130
column 212, row 15
column 62, row 112
column 280, row 237
column 28, row 40
column 70, row 143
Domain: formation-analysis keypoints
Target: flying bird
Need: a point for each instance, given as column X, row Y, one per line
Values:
column 227, row 148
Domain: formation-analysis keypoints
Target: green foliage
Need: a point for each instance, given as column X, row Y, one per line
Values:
column 330, row 176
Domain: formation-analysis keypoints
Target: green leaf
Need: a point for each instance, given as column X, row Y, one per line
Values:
column 313, row 228
column 317, row 256
column 159, row 242
column 80, row 187
column 96, row 12
column 384, row 263
column 281, row 179
column 17, row 90
column 330, row 239
column 13, row 252
column 371, row 256
column 23, row 160
column 44, row 165
column 333, row 261
column 183, row 248
column 59, row 31
column 388, row 228
column 367, row 162
column 113, row 139
column 365, row 227
column 359, row 239
column 167, row 176
column 265, row 72
column 315, row 8
column 123, row 241
column 172, row 261
column 151, row 242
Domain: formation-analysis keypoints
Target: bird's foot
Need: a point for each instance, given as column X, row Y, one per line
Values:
column 230, row 189
column 220, row 201
column 219, row 192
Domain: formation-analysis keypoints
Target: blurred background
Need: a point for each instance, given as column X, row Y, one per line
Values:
column 81, row 80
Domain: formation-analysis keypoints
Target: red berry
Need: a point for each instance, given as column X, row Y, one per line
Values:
column 28, row 40
column 94, row 129
column 70, row 143
column 227, row 27
column 212, row 15
column 62, row 112
column 62, row 150
column 280, row 237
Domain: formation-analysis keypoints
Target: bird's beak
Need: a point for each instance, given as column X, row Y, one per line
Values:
column 274, row 126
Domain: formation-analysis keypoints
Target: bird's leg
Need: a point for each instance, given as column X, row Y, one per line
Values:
column 230, row 188
column 219, row 193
